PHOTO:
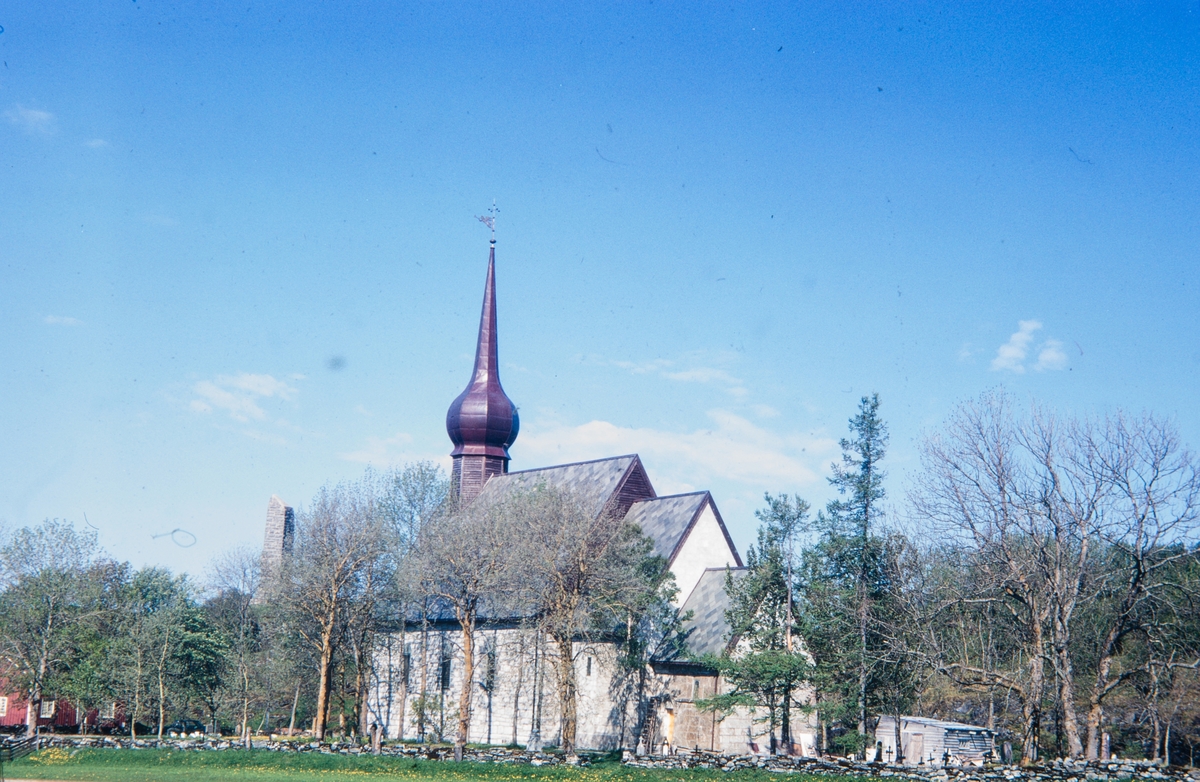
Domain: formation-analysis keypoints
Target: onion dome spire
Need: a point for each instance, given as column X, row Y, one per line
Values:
column 482, row 422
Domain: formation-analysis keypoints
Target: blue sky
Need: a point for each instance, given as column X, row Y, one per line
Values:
column 238, row 252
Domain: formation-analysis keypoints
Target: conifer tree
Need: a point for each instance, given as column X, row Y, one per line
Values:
column 845, row 582
column 767, row 664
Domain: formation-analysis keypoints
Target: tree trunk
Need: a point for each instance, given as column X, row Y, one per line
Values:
column 362, row 680
column 466, row 619
column 566, row 692
column 898, row 741
column 516, row 713
column 1031, row 708
column 862, row 651
column 424, row 698
column 785, row 727
column 295, row 702
column 245, row 726
column 406, row 662
column 162, row 684
column 137, row 694
column 33, row 711
column 1067, row 696
column 1100, row 688
column 1155, row 716
column 324, row 679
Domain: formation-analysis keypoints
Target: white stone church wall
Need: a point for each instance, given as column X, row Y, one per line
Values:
column 705, row 547
column 524, row 689
column 525, row 674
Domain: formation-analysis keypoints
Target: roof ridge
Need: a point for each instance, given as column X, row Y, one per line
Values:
column 674, row 496
column 570, row 464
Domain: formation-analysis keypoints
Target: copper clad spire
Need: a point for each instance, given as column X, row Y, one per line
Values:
column 482, row 422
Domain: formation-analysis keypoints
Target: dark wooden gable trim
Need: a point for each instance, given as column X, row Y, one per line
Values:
column 708, row 501
column 634, row 486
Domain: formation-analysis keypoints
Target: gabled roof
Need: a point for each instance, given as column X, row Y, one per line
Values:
column 666, row 520
column 598, row 484
column 943, row 724
column 706, row 631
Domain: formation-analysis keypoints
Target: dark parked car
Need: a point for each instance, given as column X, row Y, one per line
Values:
column 184, row 728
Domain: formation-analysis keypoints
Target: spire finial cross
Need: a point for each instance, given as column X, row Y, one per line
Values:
column 490, row 220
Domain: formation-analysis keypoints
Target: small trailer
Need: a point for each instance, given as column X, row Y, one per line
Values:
column 930, row 742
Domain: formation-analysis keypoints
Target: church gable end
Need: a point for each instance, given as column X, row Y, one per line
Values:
column 666, row 520
column 634, row 486
column 706, row 544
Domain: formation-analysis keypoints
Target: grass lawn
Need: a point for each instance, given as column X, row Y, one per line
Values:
column 146, row 765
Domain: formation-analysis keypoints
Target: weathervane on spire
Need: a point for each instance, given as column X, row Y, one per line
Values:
column 490, row 220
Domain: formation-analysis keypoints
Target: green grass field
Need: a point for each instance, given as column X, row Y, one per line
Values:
column 111, row 765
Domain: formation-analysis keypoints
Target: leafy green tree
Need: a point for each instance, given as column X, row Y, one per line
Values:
column 166, row 652
column 766, row 666
column 49, row 594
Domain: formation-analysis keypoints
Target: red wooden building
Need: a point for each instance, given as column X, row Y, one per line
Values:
column 58, row 716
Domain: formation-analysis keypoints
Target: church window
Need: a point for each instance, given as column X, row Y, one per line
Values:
column 406, row 665
column 47, row 710
column 589, row 666
column 695, row 689
column 489, row 670
column 3, row 706
column 444, row 673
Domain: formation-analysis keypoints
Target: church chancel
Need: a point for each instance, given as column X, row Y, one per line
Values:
column 418, row 665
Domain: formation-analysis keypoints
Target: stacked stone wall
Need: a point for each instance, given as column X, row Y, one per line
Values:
column 1057, row 771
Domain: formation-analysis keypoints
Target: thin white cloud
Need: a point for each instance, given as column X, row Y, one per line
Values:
column 1051, row 356
column 702, row 375
column 95, row 143
column 1010, row 357
column 695, row 374
column 59, row 320
column 259, row 385
column 380, row 450
column 239, row 395
column 734, row 448
column 31, row 120
column 644, row 367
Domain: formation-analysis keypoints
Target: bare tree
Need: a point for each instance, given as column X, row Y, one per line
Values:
column 582, row 573
column 465, row 559
column 412, row 497
column 236, row 577
column 1149, row 524
column 974, row 493
column 339, row 540
column 1053, row 518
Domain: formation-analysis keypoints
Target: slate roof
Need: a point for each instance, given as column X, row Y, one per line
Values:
column 706, row 632
column 594, row 482
column 666, row 520
column 943, row 724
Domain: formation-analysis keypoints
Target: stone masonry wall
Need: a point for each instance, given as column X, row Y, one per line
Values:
column 1058, row 771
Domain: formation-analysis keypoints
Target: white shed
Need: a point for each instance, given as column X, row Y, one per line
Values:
column 926, row 741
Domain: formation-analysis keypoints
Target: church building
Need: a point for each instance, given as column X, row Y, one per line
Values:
column 418, row 664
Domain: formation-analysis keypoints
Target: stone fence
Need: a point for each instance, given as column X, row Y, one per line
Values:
column 1056, row 771
column 415, row 751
